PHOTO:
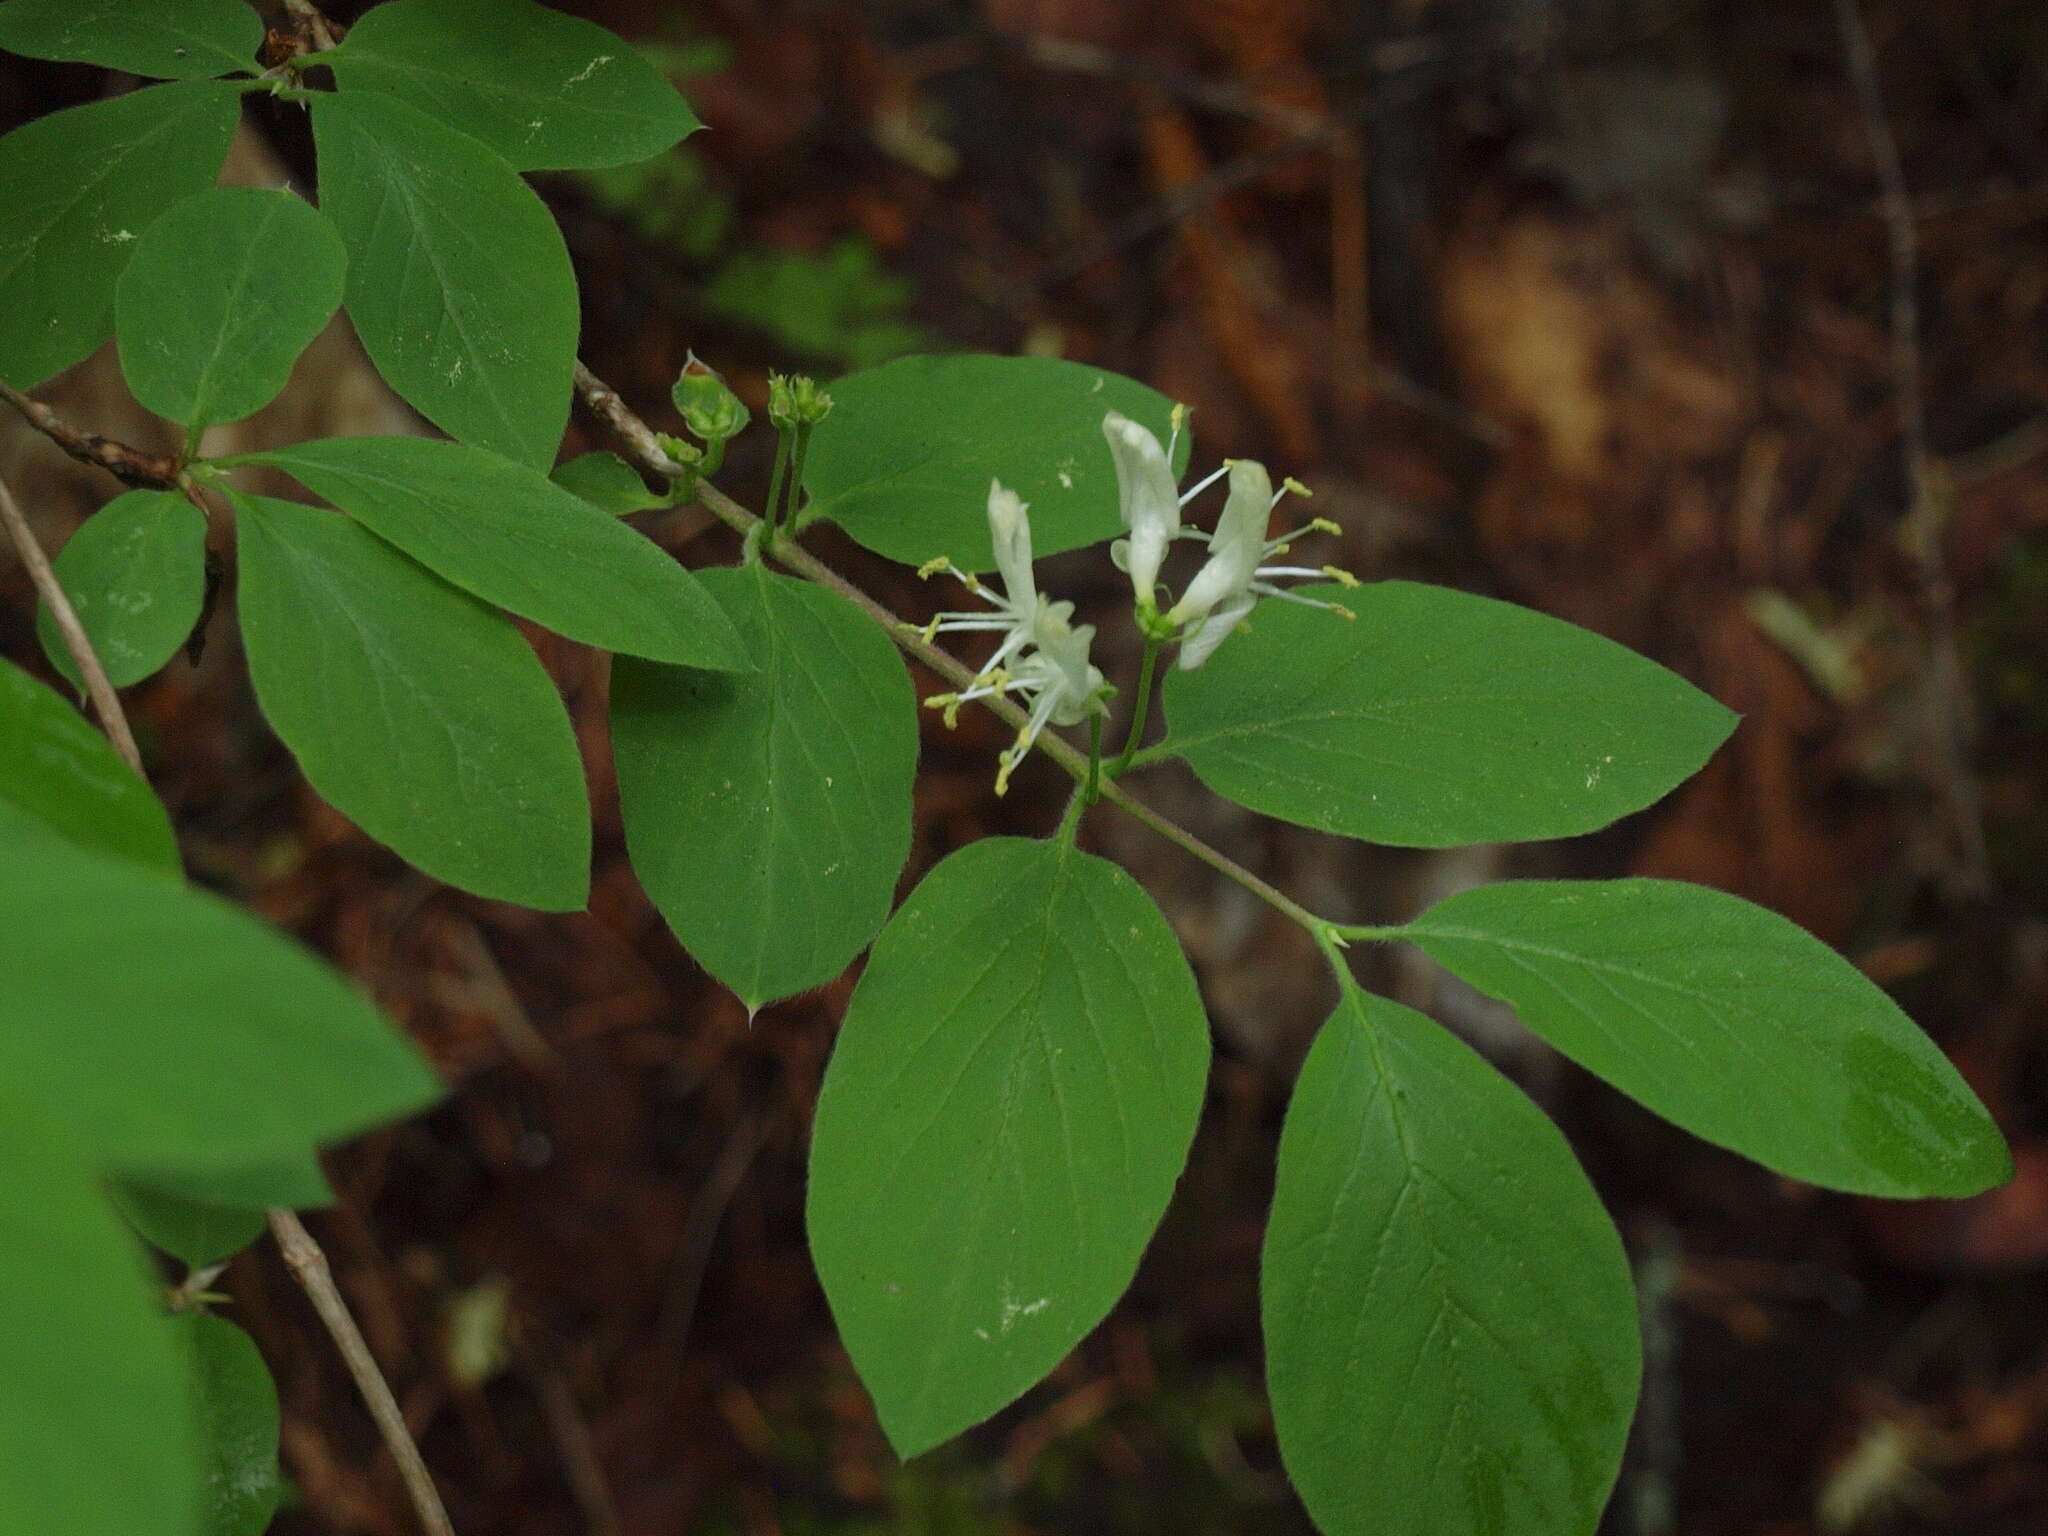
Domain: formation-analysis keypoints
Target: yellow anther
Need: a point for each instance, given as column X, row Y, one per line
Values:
column 1343, row 578
column 932, row 567
column 970, row 581
column 1279, row 549
column 1294, row 485
column 1179, row 416
column 1004, row 767
column 1325, row 525
column 928, row 632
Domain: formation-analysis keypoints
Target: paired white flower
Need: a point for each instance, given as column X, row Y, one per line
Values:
column 1233, row 578
column 1042, row 656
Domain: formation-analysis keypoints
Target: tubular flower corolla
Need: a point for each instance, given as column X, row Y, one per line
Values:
column 1042, row 656
column 1233, row 579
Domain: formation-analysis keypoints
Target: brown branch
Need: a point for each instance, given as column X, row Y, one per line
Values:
column 314, row 29
column 642, row 447
column 310, row 1268
column 301, row 1254
column 129, row 465
column 106, row 702
column 1947, row 692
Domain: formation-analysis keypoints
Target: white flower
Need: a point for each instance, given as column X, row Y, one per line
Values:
column 1042, row 657
column 1016, row 608
column 1232, row 579
column 1147, row 497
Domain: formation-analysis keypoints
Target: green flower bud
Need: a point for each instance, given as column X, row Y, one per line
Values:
column 710, row 410
column 795, row 400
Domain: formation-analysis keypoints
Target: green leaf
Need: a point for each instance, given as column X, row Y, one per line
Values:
column 608, row 483
column 768, row 813
column 548, row 92
column 458, row 282
column 135, row 572
column 60, row 774
column 1729, row 1020
column 173, row 1032
column 222, row 295
column 1436, row 719
column 416, row 710
column 96, row 1407
column 196, row 1233
column 165, row 39
column 79, row 188
column 203, row 1218
column 1008, row 1106
column 1451, row 1342
column 239, row 1417
column 514, row 538
column 296, row 1182
column 904, row 460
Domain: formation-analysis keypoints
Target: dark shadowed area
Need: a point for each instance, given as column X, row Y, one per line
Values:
column 1594, row 305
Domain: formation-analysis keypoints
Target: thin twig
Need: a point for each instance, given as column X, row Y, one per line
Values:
column 316, row 30
column 129, row 465
column 309, row 1267
column 105, row 702
column 1948, row 697
column 639, row 439
column 301, row 1254
column 1171, row 210
column 700, row 1230
column 580, row 1465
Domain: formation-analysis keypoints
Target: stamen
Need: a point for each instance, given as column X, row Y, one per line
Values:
column 1205, row 482
column 1267, row 589
column 1342, row 577
column 1319, row 525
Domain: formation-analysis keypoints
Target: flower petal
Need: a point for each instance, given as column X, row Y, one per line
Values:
column 1146, row 496
column 1010, row 528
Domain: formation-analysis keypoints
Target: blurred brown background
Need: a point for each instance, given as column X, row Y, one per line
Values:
column 1591, row 304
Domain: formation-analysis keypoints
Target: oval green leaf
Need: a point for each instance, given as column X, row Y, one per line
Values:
column 768, row 812
column 1008, row 1106
column 904, row 460
column 514, row 538
column 608, row 483
column 1450, row 1325
column 164, row 39
column 1435, row 720
column 222, row 295
column 419, row 712
column 238, row 1417
column 135, row 572
column 62, row 776
column 1730, row 1021
column 171, row 1031
column 203, row 1218
column 458, row 281
column 79, row 187
column 191, row 1231
column 83, row 1349
column 548, row 92
column 297, row 1182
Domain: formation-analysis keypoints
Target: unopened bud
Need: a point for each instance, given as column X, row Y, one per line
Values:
column 710, row 410
column 795, row 400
